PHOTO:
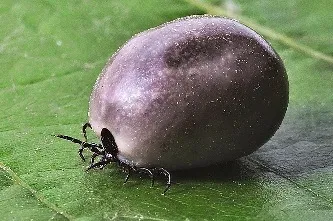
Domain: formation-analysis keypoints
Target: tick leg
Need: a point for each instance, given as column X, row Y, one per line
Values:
column 150, row 173
column 102, row 163
column 92, row 159
column 84, row 130
column 72, row 139
column 127, row 176
column 81, row 152
column 95, row 148
column 167, row 175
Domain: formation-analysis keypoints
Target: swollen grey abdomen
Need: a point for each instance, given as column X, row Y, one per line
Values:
column 190, row 93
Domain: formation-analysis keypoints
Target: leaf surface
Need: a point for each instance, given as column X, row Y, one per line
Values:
column 51, row 53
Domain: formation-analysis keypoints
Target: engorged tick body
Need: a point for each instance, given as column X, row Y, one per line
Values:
column 189, row 93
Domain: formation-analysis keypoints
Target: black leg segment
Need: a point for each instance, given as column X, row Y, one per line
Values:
column 149, row 172
column 84, row 130
column 107, row 152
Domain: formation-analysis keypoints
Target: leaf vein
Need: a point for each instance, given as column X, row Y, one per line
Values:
column 268, row 32
column 37, row 195
column 298, row 185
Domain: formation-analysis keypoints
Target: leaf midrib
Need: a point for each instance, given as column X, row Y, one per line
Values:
column 266, row 31
column 34, row 192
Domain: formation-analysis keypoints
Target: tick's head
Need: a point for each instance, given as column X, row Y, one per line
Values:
column 109, row 144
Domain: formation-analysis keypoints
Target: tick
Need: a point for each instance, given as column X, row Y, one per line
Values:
column 190, row 93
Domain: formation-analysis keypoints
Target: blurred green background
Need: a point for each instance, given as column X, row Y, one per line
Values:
column 51, row 53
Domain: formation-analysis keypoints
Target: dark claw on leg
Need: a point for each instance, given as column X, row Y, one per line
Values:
column 167, row 188
column 152, row 181
column 81, row 153
column 84, row 130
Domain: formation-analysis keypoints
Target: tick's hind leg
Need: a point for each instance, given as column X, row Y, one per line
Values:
column 165, row 173
column 126, row 169
column 149, row 172
column 101, row 164
column 127, row 176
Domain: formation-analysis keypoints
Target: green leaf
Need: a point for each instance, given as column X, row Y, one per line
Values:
column 51, row 53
